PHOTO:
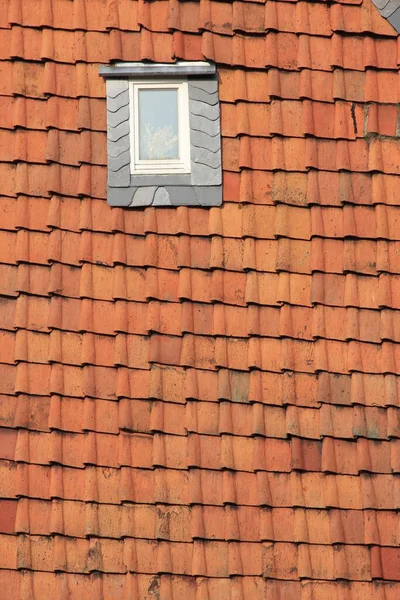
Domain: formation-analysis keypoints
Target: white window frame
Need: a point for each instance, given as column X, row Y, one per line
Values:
column 160, row 167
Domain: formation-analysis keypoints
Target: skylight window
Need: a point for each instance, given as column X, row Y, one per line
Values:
column 160, row 127
column 163, row 134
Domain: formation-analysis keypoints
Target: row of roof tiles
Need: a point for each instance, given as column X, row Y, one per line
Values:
column 234, row 452
column 251, row 186
column 322, row 188
column 32, row 585
column 199, row 351
column 176, row 384
column 187, row 523
column 302, row 189
column 281, row 50
column 55, row 413
column 222, row 17
column 81, row 81
column 342, row 120
column 200, row 486
column 278, row 560
column 297, row 154
column 41, row 314
column 236, row 288
column 231, row 220
column 365, row 257
column 284, row 153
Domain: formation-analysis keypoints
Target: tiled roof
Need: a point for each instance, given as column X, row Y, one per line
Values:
column 202, row 404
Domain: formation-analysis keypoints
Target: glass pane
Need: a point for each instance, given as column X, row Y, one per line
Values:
column 158, row 124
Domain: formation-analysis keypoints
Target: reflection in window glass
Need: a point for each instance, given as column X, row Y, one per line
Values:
column 158, row 124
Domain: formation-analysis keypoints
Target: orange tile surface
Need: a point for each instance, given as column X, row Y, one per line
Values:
column 202, row 404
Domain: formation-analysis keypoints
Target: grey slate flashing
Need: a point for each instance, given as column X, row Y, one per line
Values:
column 394, row 19
column 118, row 143
column 190, row 195
column 389, row 9
column 203, row 185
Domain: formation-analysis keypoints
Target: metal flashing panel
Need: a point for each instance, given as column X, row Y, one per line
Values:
column 203, row 186
column 177, row 69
